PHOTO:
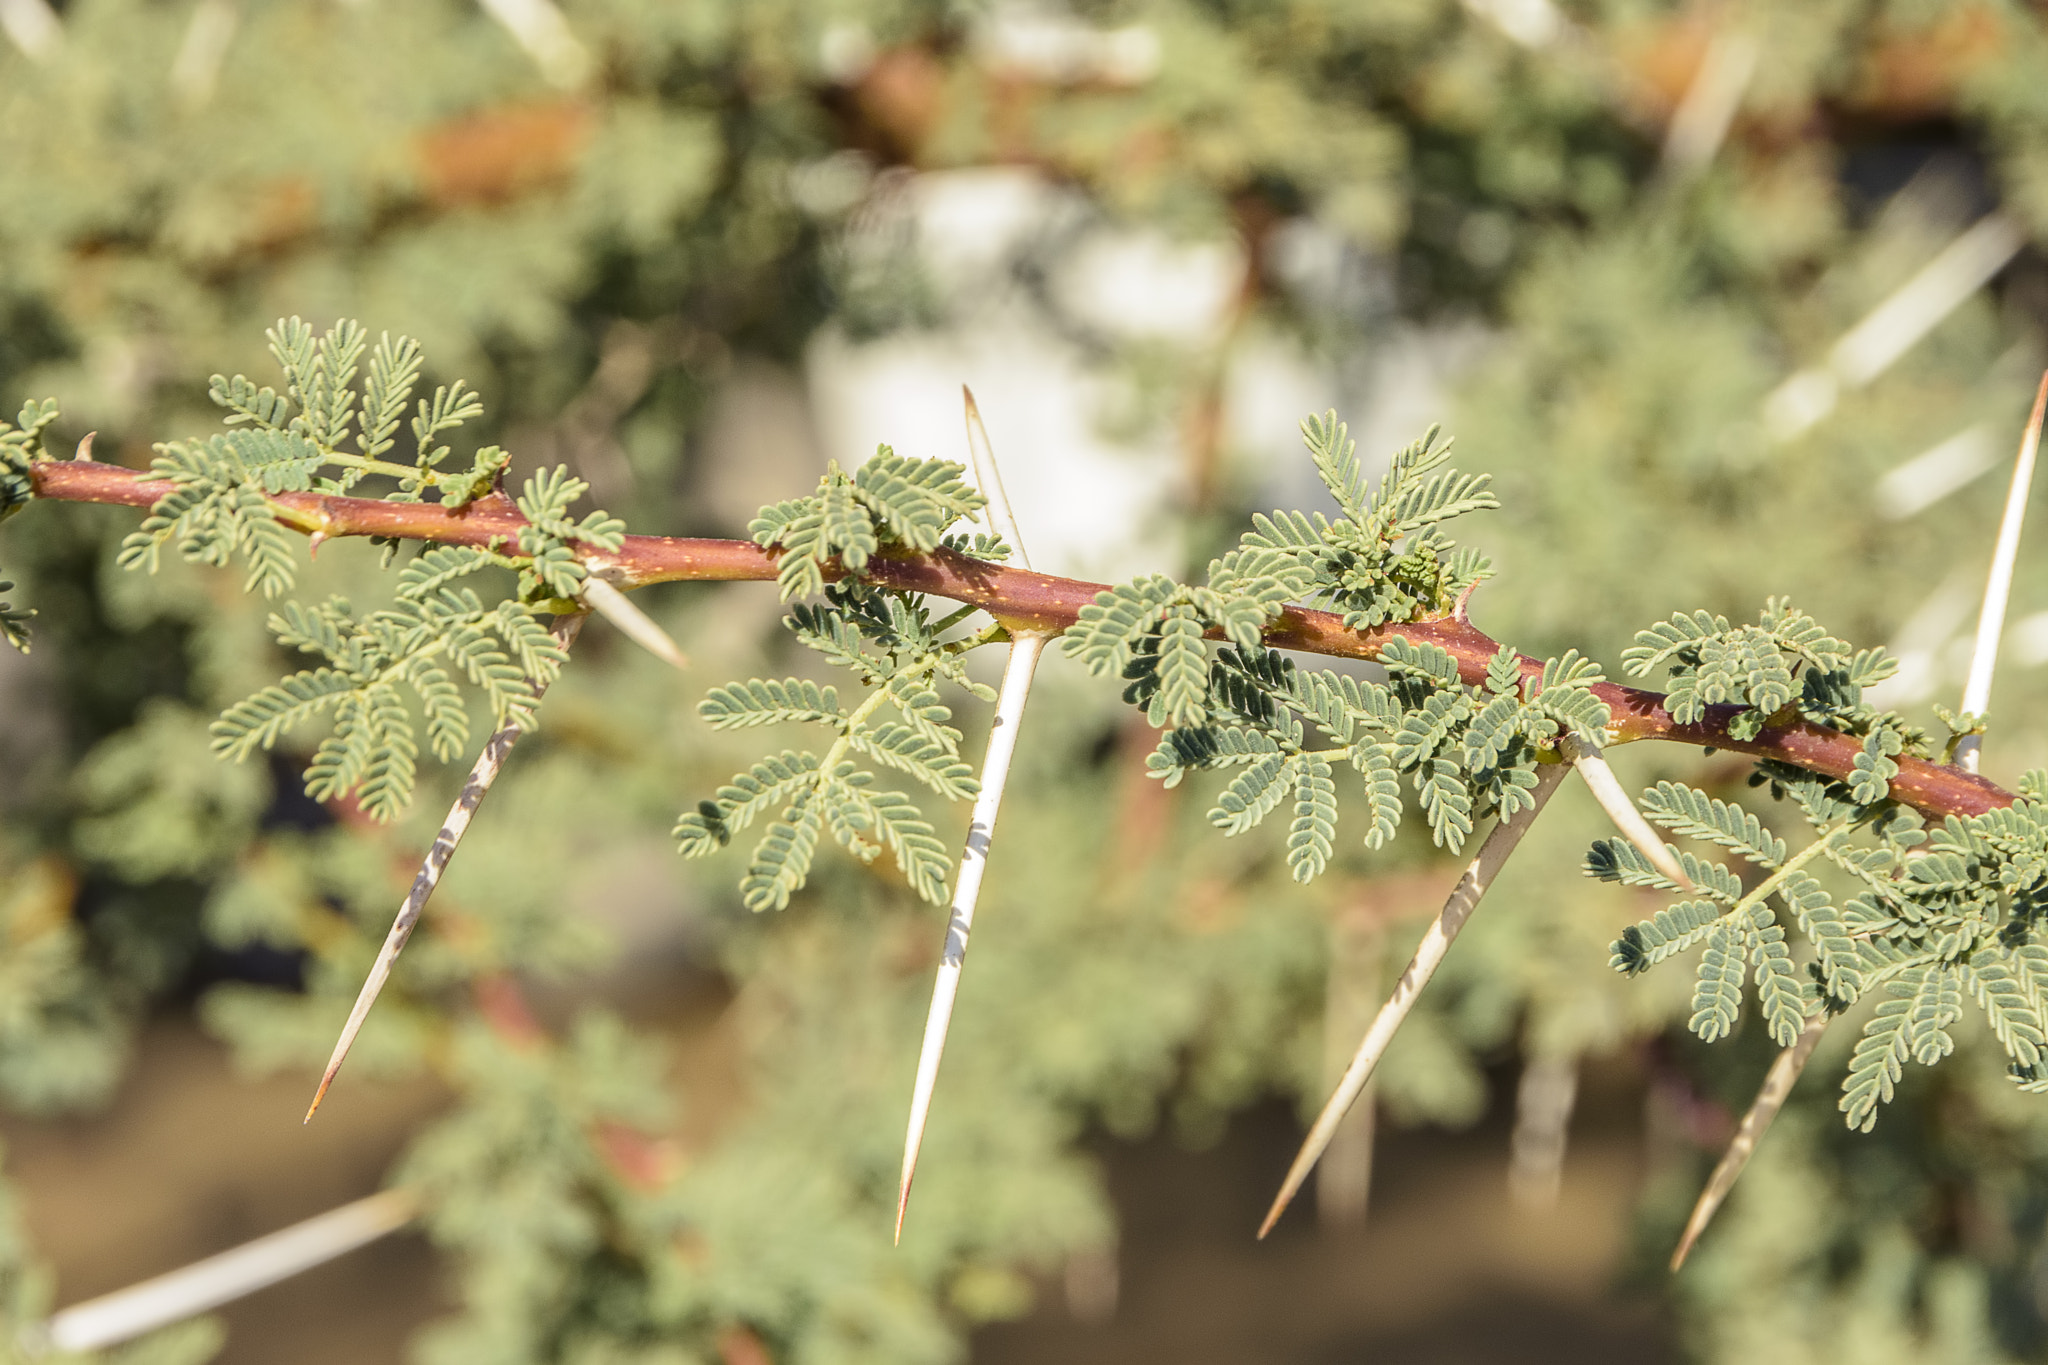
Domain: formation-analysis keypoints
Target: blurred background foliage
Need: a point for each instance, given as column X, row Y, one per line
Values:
column 694, row 249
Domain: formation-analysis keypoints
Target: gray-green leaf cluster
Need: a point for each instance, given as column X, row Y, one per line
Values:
column 438, row 630
column 889, row 501
column 1383, row 561
column 896, row 650
column 1468, row 752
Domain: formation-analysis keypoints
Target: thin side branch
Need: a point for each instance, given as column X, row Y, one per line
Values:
column 1778, row 1083
column 1429, row 955
column 1027, row 601
column 488, row 765
column 192, row 1290
column 1998, row 587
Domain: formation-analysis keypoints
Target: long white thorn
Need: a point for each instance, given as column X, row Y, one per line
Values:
column 1784, row 1073
column 488, row 765
column 635, row 624
column 1607, row 790
column 192, row 1290
column 995, row 771
column 1429, row 955
column 1998, row 587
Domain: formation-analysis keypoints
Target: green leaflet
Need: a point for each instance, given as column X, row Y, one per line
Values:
column 437, row 629
column 1310, row 834
column 1469, row 753
column 298, row 440
column 1381, row 562
column 1691, row 813
column 893, row 647
column 1763, row 668
column 888, row 501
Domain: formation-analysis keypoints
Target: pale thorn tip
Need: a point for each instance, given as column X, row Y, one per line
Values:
column 84, row 451
column 1770, row 1098
column 989, row 476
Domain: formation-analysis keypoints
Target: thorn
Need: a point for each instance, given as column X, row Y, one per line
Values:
column 634, row 623
column 990, row 479
column 1025, row 647
column 1464, row 601
column 981, row 828
column 313, row 544
column 1778, row 1083
column 1606, row 789
column 84, row 451
column 129, row 1313
column 1429, row 954
column 1998, row 586
column 488, row 765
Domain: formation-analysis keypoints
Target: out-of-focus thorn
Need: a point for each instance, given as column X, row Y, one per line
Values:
column 1606, row 789
column 615, row 607
column 1543, row 1118
column 195, row 71
column 1769, row 1100
column 1998, row 586
column 1917, row 484
column 1091, row 1282
column 1429, row 955
column 84, row 451
column 129, row 1313
column 313, row 544
column 1352, row 989
column 538, row 26
column 1701, row 122
column 1533, row 24
column 33, row 27
column 1891, row 329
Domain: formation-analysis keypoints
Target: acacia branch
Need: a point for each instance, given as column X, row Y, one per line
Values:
column 1040, row 603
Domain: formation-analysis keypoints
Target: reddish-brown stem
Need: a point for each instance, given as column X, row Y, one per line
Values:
column 1025, row 600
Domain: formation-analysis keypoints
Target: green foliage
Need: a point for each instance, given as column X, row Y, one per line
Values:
column 890, row 642
column 1753, row 667
column 21, row 442
column 1469, row 753
column 1642, row 318
column 1957, row 918
column 889, row 500
column 437, row 629
column 1383, row 561
column 14, row 621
